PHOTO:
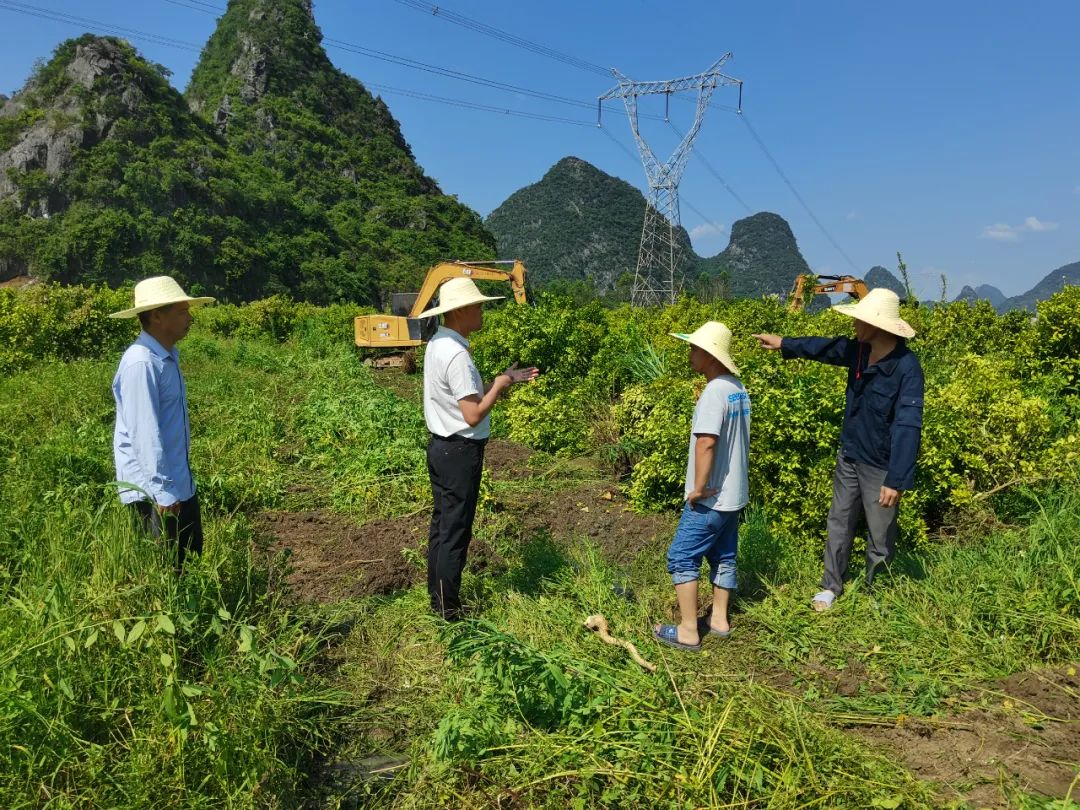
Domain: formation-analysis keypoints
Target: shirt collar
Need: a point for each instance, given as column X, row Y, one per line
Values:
column 887, row 364
column 446, row 331
column 145, row 339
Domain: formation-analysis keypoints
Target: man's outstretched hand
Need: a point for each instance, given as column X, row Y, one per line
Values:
column 770, row 342
column 520, row 375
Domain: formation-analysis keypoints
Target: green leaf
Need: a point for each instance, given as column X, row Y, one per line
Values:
column 224, row 614
column 136, row 632
column 246, row 639
column 69, row 642
column 191, row 691
column 166, row 660
column 887, row 802
column 118, row 631
column 65, row 687
column 164, row 624
column 90, row 639
column 168, row 701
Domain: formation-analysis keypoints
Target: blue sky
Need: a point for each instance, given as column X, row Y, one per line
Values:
column 946, row 130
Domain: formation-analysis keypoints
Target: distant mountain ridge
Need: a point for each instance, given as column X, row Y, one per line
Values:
column 1050, row 284
column 984, row 292
column 580, row 223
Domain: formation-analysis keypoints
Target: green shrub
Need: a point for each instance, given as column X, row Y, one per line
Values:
column 542, row 416
column 49, row 322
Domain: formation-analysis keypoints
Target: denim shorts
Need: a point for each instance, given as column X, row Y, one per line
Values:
column 705, row 533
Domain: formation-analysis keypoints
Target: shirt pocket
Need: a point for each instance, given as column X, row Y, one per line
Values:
column 882, row 401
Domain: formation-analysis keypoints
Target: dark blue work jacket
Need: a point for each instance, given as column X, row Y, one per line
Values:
column 883, row 414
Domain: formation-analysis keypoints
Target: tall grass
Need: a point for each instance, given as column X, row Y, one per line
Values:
column 120, row 684
column 526, row 708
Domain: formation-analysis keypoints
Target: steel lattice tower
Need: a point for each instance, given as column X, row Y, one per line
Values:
column 659, row 255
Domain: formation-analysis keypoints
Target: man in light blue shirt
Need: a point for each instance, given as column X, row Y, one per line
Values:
column 152, row 437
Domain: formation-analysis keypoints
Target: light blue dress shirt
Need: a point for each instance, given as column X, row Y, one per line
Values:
column 152, row 436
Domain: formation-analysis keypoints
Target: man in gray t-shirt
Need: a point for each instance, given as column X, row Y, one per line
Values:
column 716, row 490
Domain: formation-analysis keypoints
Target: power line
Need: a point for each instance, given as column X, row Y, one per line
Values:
column 715, row 173
column 109, row 28
column 798, row 196
column 426, row 67
column 452, row 74
column 34, row 11
column 205, row 8
column 512, row 39
column 626, row 149
column 474, row 106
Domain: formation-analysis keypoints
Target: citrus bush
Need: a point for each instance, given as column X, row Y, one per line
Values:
column 50, row 322
column 995, row 416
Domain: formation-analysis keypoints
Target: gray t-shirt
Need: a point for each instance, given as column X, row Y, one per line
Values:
column 451, row 375
column 723, row 410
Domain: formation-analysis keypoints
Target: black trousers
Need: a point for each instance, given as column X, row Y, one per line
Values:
column 455, row 466
column 183, row 529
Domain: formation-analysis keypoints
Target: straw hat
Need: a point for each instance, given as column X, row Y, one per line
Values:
column 159, row 291
column 715, row 338
column 457, row 293
column 881, row 308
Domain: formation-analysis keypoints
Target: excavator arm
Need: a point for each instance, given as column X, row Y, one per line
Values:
column 855, row 287
column 478, row 271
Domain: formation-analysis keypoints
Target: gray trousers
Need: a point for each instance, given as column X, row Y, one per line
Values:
column 856, row 489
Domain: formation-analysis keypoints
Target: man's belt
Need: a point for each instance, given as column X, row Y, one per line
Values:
column 454, row 438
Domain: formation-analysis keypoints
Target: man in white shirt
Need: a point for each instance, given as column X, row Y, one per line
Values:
column 717, row 488
column 457, row 407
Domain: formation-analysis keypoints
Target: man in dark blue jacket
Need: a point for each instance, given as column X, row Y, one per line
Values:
column 879, row 440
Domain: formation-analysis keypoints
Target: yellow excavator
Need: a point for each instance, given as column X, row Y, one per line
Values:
column 823, row 285
column 403, row 330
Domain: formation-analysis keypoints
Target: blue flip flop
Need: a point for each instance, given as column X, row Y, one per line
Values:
column 705, row 628
column 669, row 634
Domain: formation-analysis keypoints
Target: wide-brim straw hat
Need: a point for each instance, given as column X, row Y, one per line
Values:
column 159, row 291
column 715, row 338
column 881, row 308
column 457, row 293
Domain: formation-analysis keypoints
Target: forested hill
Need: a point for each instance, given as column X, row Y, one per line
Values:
column 576, row 223
column 762, row 257
column 287, row 177
column 579, row 223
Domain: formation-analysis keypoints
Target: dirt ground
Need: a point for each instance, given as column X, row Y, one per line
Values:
column 1026, row 729
column 598, row 511
column 505, row 460
column 331, row 557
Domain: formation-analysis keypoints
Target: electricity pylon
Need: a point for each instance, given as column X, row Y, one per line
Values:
column 659, row 254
